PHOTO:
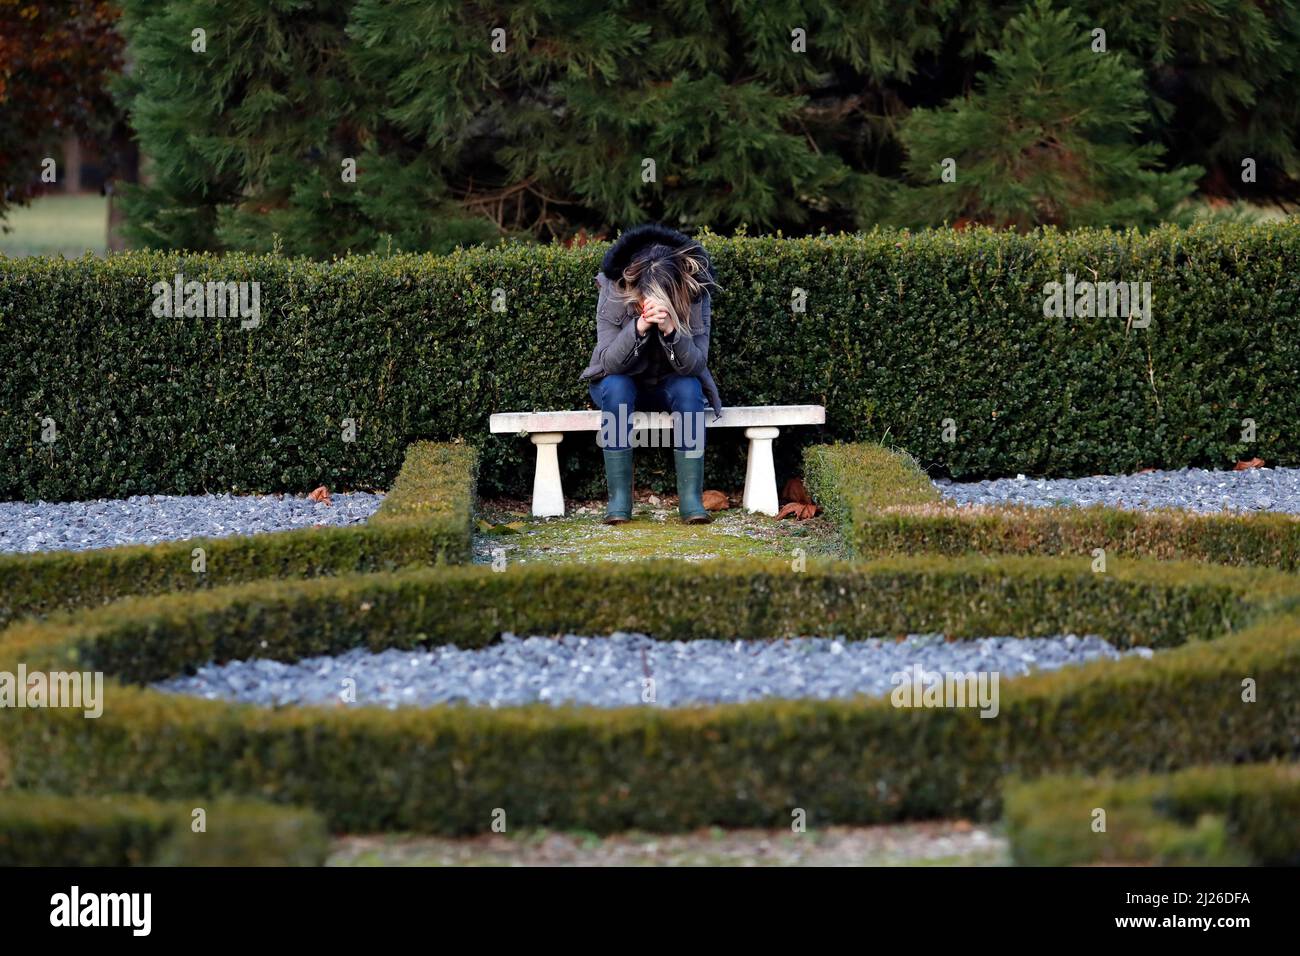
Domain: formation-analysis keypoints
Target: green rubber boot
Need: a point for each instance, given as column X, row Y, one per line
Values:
column 618, row 477
column 690, row 488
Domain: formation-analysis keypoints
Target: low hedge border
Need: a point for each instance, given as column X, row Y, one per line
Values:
column 426, row 518
column 1152, row 605
column 42, row 829
column 884, row 504
column 1204, row 816
column 445, row 769
column 851, row 480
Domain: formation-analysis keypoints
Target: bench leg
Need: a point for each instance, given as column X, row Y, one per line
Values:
column 760, row 472
column 548, row 493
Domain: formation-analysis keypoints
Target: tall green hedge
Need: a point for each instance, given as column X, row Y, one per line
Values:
column 899, row 333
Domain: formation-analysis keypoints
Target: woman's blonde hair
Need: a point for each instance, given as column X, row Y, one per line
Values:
column 674, row 277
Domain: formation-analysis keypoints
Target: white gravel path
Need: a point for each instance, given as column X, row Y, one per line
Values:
column 612, row 671
column 1194, row 489
column 146, row 519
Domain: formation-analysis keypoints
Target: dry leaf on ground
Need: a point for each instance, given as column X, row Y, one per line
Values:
column 796, row 510
column 799, row 503
column 715, row 501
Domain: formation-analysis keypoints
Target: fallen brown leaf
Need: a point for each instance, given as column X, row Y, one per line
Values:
column 321, row 494
column 795, row 509
column 715, row 501
column 1247, row 465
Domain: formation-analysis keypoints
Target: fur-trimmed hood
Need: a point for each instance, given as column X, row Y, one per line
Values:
column 637, row 238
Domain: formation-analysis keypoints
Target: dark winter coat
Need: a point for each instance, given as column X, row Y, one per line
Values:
column 619, row 350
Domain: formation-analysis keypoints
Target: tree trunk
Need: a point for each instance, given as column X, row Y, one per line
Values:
column 124, row 168
column 71, row 164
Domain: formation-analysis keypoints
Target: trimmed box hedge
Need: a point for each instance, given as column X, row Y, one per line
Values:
column 426, row 518
column 851, row 481
column 445, row 769
column 883, row 503
column 43, row 829
column 1203, row 816
column 899, row 332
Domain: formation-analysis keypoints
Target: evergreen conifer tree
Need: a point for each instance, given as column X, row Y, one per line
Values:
column 469, row 120
column 1049, row 136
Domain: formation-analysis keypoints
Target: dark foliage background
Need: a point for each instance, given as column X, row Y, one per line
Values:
column 458, row 144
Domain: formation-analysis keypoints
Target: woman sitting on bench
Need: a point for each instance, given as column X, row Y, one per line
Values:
column 652, row 348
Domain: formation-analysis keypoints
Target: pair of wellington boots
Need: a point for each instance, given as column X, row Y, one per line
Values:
column 690, row 486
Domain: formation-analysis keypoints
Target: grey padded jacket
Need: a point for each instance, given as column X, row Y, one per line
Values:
column 619, row 350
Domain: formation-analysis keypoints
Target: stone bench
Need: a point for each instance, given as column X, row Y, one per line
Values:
column 761, row 423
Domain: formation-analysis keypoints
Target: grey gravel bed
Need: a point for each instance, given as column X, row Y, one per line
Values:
column 146, row 519
column 610, row 671
column 1193, row 489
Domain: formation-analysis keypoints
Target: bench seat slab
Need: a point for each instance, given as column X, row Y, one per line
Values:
column 546, row 431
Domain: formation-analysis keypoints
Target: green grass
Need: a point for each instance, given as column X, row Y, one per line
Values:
column 57, row 224
column 654, row 533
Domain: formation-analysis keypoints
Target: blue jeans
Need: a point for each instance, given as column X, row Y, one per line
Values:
column 618, row 396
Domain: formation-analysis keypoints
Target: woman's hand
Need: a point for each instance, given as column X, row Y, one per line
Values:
column 652, row 313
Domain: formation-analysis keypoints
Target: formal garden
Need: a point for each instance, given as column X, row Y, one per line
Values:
column 315, row 548
column 1181, row 719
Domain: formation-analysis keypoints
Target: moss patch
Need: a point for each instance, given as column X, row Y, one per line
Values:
column 653, row 533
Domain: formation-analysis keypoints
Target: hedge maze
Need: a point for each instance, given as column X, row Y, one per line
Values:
column 444, row 769
column 1187, row 749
